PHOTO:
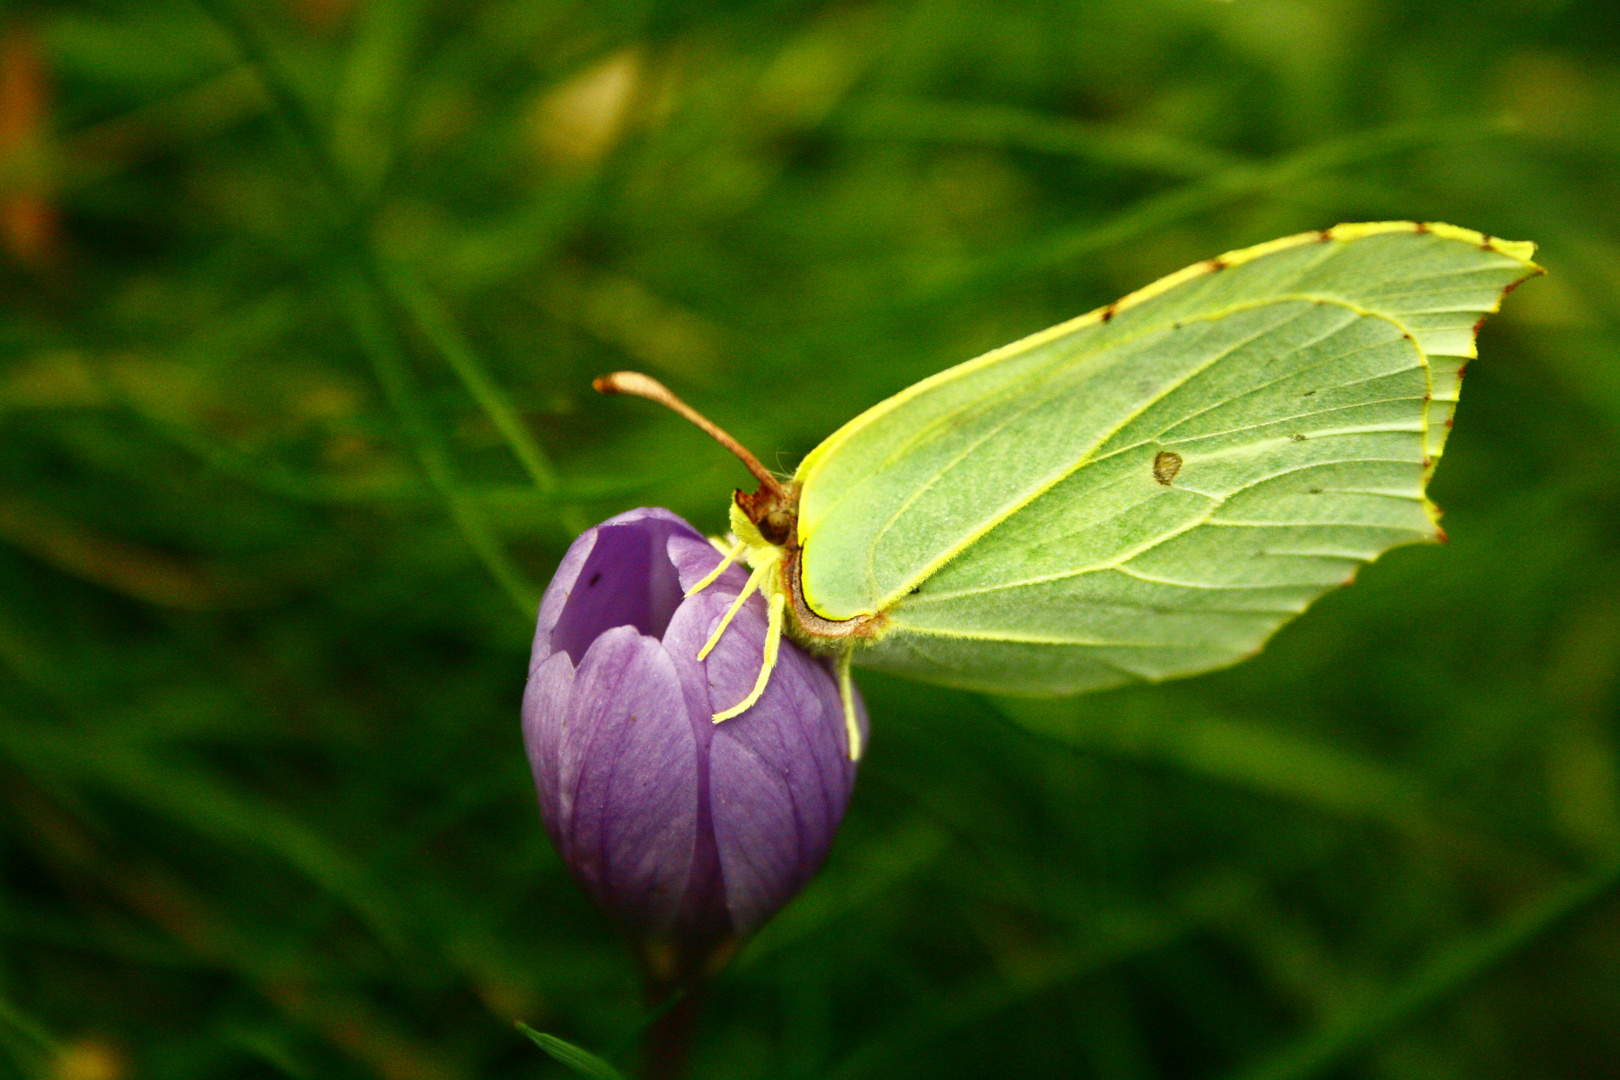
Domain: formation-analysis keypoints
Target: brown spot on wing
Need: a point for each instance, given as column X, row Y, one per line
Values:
column 1166, row 463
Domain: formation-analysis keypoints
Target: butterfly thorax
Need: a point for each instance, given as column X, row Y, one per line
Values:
column 766, row 522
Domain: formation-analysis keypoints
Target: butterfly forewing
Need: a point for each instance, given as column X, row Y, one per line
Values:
column 1153, row 489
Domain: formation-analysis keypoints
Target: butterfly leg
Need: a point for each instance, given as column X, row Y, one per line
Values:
column 731, row 556
column 748, row 590
column 846, row 695
column 773, row 642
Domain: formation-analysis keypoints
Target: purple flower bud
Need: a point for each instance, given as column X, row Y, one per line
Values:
column 690, row 834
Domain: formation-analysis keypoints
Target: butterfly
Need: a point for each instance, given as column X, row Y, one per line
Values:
column 1146, row 491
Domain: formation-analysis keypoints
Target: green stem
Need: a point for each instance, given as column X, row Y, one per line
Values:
column 667, row 1043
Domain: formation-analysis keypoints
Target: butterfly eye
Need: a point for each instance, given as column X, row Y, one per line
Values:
column 777, row 526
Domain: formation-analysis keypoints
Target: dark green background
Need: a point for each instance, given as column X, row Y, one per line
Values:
column 302, row 299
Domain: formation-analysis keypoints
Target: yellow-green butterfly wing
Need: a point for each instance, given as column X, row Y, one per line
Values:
column 1150, row 490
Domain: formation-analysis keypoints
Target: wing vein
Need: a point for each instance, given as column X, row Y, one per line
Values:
column 1003, row 513
column 1282, row 377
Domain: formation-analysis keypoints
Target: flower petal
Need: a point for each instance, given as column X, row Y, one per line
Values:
column 625, row 580
column 628, row 779
column 695, row 558
column 688, row 629
column 545, row 705
column 687, row 832
column 556, row 596
column 779, row 778
column 732, row 667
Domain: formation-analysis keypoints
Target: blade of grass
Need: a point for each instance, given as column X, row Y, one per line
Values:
column 1443, row 979
column 309, row 989
column 440, row 329
column 200, row 800
column 1094, row 950
column 286, row 108
column 579, row 1061
column 25, row 1040
column 1158, row 212
column 367, row 102
column 379, row 275
column 1251, row 756
column 277, row 479
column 376, row 336
column 1002, row 126
column 847, row 890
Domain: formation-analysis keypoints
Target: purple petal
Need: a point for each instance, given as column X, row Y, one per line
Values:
column 628, row 779
column 624, row 579
column 779, row 776
column 556, row 596
column 545, row 704
column 756, row 832
column 732, row 667
column 695, row 558
column 689, row 628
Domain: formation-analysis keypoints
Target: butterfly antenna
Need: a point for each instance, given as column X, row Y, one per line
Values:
column 636, row 384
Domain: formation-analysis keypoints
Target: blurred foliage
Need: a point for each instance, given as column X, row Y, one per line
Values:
column 301, row 303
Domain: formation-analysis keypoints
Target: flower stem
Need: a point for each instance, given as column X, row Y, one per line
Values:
column 668, row 1039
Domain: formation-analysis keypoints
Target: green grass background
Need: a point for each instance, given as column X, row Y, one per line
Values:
column 301, row 303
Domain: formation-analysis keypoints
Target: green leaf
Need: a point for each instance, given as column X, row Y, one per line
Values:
column 581, row 1062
